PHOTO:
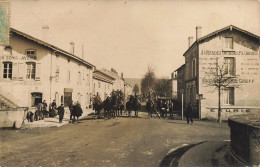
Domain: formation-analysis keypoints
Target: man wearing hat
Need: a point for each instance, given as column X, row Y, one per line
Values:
column 61, row 112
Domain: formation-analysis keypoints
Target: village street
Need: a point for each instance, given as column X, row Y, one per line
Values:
column 97, row 142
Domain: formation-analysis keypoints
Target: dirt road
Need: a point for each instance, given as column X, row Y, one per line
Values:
column 96, row 142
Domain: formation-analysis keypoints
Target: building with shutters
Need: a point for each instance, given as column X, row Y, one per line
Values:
column 237, row 52
column 32, row 70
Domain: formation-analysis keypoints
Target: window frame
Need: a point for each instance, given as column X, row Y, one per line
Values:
column 229, row 72
column 31, row 69
column 193, row 68
column 228, row 99
column 7, row 70
column 226, row 45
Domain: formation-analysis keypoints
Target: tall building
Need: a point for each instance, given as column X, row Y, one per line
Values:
column 231, row 53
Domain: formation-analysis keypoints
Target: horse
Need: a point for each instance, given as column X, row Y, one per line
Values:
column 107, row 108
column 76, row 111
column 133, row 104
column 98, row 107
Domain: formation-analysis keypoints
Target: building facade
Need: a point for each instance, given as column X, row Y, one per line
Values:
column 32, row 70
column 230, row 53
column 102, row 84
column 179, row 75
column 173, row 82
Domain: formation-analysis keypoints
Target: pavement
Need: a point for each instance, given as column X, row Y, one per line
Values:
column 53, row 122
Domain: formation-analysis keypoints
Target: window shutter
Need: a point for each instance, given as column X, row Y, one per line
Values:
column 38, row 72
column 237, row 65
column 15, row 71
column 21, row 71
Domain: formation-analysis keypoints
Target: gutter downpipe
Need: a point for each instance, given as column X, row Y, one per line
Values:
column 51, row 73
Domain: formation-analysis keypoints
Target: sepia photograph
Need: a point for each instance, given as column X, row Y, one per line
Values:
column 129, row 83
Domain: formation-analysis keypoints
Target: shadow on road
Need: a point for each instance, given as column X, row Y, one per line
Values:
column 172, row 159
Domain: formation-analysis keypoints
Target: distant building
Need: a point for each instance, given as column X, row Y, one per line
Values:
column 102, row 83
column 237, row 51
column 32, row 70
column 179, row 75
column 119, row 82
column 128, row 90
column 173, row 83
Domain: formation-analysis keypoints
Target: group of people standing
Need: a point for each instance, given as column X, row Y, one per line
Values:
column 42, row 112
column 162, row 107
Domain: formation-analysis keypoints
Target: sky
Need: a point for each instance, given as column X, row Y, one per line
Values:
column 127, row 35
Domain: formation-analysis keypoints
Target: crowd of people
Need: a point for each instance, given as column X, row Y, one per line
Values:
column 164, row 106
column 42, row 111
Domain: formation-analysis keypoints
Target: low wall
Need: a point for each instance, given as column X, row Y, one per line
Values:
column 211, row 112
column 12, row 118
column 244, row 148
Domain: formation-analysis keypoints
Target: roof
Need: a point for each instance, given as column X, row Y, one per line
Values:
column 180, row 67
column 230, row 27
column 99, row 75
column 50, row 46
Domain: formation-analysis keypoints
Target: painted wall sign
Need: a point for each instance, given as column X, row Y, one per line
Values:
column 234, row 81
column 14, row 58
column 4, row 22
column 210, row 52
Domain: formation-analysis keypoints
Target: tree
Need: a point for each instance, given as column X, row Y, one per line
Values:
column 148, row 81
column 162, row 87
column 136, row 88
column 220, row 77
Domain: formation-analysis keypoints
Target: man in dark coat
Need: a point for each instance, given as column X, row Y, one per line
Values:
column 61, row 112
column 71, row 109
column 45, row 112
column 189, row 114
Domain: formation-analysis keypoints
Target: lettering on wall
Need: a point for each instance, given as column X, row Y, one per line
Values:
column 17, row 58
column 210, row 52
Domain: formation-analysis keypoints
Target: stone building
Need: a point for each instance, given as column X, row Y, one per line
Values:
column 102, row 83
column 236, row 52
column 32, row 70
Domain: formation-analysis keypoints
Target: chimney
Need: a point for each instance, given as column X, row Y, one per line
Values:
column 72, row 47
column 122, row 75
column 190, row 41
column 198, row 32
column 45, row 33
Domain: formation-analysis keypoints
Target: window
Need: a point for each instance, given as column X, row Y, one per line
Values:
column 194, row 68
column 229, row 43
column 8, row 69
column 229, row 66
column 99, row 84
column 30, row 74
column 30, row 52
column 228, row 96
column 36, row 98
